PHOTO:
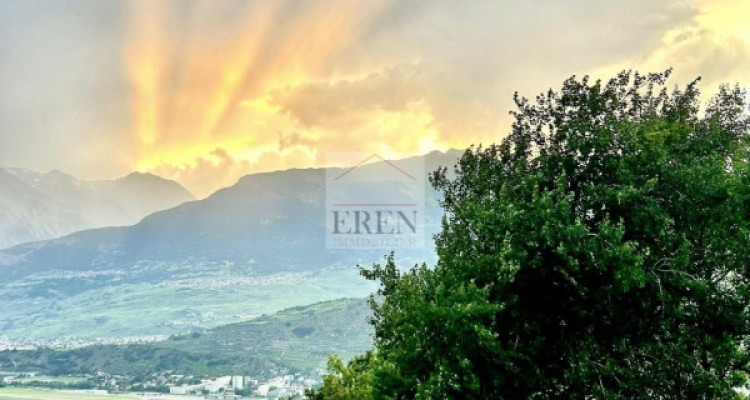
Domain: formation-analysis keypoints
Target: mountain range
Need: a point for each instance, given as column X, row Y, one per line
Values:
column 38, row 206
column 255, row 247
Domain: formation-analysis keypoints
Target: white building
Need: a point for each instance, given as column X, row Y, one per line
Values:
column 238, row 382
column 177, row 390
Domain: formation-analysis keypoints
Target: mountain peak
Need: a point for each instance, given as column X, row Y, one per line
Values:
column 57, row 177
column 38, row 206
column 137, row 175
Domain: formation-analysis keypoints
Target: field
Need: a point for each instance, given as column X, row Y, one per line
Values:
column 48, row 394
column 10, row 393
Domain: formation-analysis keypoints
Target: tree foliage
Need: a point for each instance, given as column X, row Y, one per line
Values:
column 600, row 251
column 344, row 382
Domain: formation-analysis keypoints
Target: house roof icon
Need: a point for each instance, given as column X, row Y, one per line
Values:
column 391, row 164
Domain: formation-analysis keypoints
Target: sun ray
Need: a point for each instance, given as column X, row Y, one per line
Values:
column 146, row 67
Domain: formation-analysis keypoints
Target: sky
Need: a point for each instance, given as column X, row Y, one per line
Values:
column 205, row 92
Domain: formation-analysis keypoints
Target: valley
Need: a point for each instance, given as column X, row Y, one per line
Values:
column 294, row 342
column 107, row 310
column 240, row 283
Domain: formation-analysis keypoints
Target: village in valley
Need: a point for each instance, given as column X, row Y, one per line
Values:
column 168, row 387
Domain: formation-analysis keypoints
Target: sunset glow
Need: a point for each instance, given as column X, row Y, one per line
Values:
column 205, row 92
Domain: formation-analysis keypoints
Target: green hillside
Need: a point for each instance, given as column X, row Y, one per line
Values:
column 294, row 339
column 299, row 337
column 37, row 308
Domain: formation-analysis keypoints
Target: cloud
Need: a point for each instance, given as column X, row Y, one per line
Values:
column 218, row 169
column 295, row 139
column 205, row 91
column 464, row 63
column 700, row 51
column 714, row 45
column 389, row 89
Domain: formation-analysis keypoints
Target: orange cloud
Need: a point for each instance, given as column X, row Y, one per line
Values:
column 200, row 87
column 222, row 89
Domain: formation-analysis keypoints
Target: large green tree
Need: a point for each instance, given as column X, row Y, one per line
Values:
column 600, row 251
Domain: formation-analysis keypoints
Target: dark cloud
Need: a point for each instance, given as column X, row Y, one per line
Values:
column 293, row 139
